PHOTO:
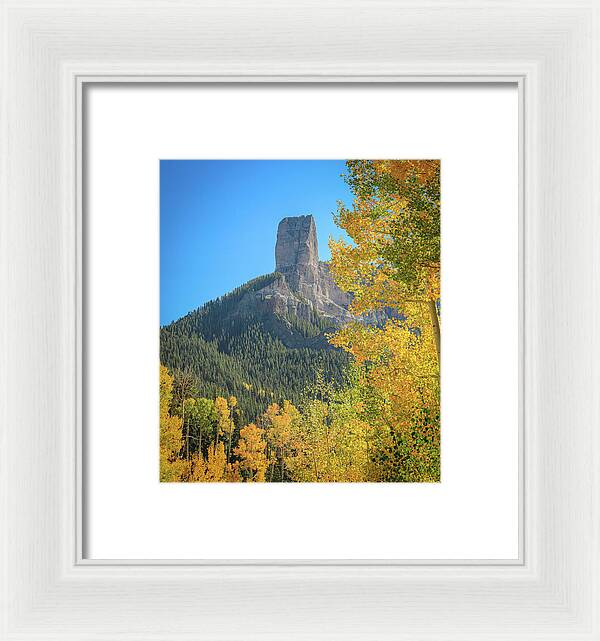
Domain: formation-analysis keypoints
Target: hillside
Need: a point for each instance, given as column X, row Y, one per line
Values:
column 237, row 346
column 266, row 340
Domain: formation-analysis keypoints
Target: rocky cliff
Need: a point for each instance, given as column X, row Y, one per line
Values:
column 306, row 287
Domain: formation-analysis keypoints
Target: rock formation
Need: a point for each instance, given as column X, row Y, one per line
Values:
column 302, row 286
column 307, row 278
column 297, row 253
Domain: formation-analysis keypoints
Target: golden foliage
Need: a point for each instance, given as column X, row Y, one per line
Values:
column 251, row 451
column 328, row 446
column 171, row 438
column 214, row 469
column 223, row 416
column 394, row 264
column 424, row 170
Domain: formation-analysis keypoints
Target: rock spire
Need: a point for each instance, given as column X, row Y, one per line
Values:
column 297, row 254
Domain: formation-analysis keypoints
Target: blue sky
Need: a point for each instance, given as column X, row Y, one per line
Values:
column 218, row 221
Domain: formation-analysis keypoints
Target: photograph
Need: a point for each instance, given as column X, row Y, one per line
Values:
column 300, row 321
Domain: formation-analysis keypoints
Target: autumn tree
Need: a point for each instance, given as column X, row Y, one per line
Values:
column 393, row 264
column 394, row 260
column 171, row 439
column 280, row 426
column 223, row 419
column 213, row 469
column 251, row 451
column 329, row 438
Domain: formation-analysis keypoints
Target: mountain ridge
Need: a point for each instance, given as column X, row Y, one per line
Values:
column 267, row 339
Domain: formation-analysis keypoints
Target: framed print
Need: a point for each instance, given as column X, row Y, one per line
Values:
column 299, row 328
column 268, row 343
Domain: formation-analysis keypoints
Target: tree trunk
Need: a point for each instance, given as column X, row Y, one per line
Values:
column 187, row 433
column 231, row 428
column 435, row 322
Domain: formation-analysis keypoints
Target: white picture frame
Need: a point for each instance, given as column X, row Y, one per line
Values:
column 51, row 49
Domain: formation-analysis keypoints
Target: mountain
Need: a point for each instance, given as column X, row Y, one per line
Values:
column 266, row 340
